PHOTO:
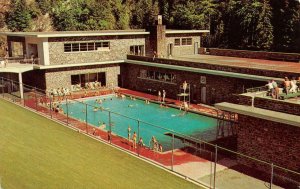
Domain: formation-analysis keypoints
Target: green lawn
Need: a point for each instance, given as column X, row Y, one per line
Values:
column 38, row 153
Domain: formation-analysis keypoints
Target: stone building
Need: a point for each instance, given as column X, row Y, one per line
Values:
column 63, row 59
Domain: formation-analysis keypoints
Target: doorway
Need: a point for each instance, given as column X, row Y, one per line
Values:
column 196, row 47
column 170, row 49
column 203, row 95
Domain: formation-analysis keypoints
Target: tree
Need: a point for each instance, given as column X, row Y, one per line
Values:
column 194, row 15
column 144, row 13
column 122, row 14
column 264, row 29
column 286, row 22
column 19, row 17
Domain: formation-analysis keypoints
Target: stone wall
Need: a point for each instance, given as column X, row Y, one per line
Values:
column 119, row 48
column 268, row 141
column 56, row 78
column 291, row 57
column 251, row 71
column 183, row 49
column 218, row 88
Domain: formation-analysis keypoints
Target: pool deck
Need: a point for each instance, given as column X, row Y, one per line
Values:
column 260, row 64
column 196, row 165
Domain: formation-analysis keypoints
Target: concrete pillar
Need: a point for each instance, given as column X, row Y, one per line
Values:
column 21, row 86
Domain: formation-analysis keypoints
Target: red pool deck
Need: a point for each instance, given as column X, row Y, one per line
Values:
column 260, row 64
column 163, row 158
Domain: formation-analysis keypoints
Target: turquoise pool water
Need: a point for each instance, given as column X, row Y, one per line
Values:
column 190, row 124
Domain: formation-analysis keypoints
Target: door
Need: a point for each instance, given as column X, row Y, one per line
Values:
column 170, row 49
column 203, row 95
column 196, row 47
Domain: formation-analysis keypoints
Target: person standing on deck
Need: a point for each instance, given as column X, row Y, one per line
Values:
column 129, row 132
column 184, row 86
column 159, row 96
column 164, row 96
column 134, row 140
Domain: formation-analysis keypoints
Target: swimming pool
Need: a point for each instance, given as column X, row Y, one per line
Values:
column 167, row 119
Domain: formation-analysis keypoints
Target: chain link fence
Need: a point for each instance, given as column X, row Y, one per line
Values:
column 193, row 158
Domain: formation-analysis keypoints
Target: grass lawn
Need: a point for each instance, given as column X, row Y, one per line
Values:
column 38, row 153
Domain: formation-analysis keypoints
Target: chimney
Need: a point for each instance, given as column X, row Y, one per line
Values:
column 158, row 37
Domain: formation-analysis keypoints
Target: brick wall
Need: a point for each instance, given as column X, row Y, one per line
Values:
column 119, row 48
column 277, row 105
column 56, row 78
column 218, row 88
column 269, row 141
column 251, row 71
column 294, row 57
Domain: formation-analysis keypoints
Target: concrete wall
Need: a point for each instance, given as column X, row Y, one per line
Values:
column 56, row 78
column 119, row 48
column 269, row 141
column 182, row 49
column 251, row 71
column 294, row 57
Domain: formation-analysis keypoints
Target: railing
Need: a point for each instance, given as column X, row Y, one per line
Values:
column 18, row 60
column 257, row 89
column 194, row 158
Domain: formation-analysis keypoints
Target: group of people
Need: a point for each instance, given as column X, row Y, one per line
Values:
column 154, row 145
column 162, row 96
column 289, row 86
column 60, row 92
column 134, row 138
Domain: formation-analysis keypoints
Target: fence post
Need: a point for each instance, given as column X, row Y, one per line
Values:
column 67, row 111
column 35, row 97
column 172, row 158
column 272, row 174
column 2, row 80
column 215, row 167
column 211, row 163
column 138, row 138
column 109, row 123
column 86, row 121
column 50, row 106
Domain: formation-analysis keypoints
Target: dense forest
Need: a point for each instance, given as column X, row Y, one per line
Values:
column 271, row 25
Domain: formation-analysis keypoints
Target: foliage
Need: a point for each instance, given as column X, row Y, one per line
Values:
column 19, row 17
column 239, row 24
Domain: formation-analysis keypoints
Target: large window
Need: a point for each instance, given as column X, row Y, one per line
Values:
column 159, row 76
column 82, row 79
column 84, row 46
column 177, row 42
column 137, row 50
column 186, row 41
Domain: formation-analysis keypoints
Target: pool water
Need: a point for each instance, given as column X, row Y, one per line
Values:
column 168, row 119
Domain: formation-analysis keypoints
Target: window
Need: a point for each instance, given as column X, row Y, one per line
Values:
column 186, row 41
column 68, row 47
column 91, row 46
column 83, row 47
column 75, row 79
column 177, row 42
column 143, row 73
column 75, row 47
column 159, row 76
column 137, row 50
column 82, row 79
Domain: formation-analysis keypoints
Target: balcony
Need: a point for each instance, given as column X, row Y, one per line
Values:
column 17, row 64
